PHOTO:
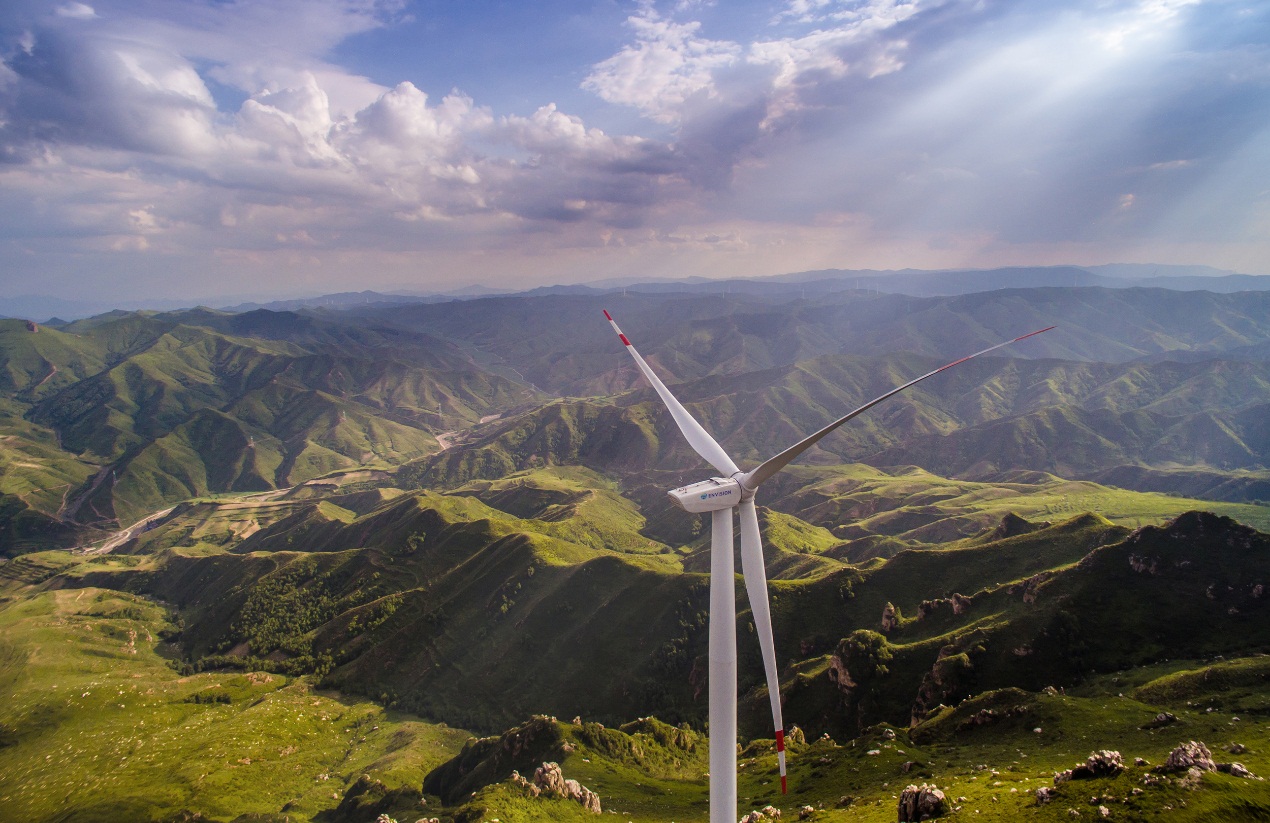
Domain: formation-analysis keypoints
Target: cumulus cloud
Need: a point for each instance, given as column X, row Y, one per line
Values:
column 671, row 67
column 107, row 92
column 289, row 167
column 666, row 66
column 942, row 125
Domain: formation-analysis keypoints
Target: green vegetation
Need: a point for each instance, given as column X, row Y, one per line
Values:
column 97, row 728
column 346, row 524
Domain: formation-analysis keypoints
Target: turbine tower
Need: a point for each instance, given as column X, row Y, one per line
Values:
column 734, row 489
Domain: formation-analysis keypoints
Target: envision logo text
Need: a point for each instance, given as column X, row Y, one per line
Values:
column 715, row 494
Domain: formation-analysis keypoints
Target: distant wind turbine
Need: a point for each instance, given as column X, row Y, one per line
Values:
column 720, row 496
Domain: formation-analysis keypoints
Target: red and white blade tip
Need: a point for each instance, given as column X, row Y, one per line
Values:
column 613, row 323
column 780, row 755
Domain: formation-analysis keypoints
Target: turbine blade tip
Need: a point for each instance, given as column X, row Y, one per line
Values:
column 1034, row 334
column 607, row 316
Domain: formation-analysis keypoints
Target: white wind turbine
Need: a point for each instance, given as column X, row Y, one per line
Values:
column 719, row 496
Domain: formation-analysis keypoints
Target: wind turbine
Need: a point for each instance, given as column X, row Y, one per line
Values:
column 719, row 496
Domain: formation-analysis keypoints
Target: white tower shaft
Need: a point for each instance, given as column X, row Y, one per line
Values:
column 722, row 655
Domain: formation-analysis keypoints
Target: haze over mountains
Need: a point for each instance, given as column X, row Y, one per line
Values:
column 458, row 509
column 807, row 284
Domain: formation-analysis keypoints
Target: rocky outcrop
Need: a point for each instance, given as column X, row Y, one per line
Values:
column 549, row 781
column 1031, row 586
column 840, row 676
column 959, row 602
column 950, row 677
column 924, row 802
column 763, row 815
column 890, row 618
column 1144, row 565
column 1189, row 755
column 490, row 759
column 1236, row 770
column 367, row 797
column 1194, row 758
column 1105, row 763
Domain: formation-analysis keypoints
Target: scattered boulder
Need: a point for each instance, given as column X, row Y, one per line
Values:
column 923, row 802
column 1161, row 720
column 1105, row 763
column 1191, row 754
column 1044, row 795
column 806, row 812
column 1236, row 770
column 1236, row 748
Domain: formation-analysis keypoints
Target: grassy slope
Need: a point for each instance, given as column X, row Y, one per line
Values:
column 98, row 728
column 597, row 599
column 915, row 506
column 128, row 746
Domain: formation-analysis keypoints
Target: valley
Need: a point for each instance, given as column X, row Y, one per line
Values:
column 326, row 565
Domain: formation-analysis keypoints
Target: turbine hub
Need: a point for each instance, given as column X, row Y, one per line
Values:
column 708, row 495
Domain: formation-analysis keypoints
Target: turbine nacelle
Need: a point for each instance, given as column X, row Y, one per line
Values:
column 708, row 495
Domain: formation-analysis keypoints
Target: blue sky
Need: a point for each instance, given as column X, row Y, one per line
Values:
column 194, row 149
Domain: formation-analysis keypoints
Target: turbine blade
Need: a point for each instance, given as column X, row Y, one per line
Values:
column 700, row 440
column 756, row 590
column 756, row 478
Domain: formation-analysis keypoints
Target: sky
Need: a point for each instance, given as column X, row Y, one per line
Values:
column 173, row 149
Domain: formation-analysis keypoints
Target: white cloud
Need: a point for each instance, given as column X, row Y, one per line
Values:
column 666, row 66
column 670, row 68
column 77, row 11
column 996, row 124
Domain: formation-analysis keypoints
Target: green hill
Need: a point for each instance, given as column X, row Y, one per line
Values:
column 114, row 417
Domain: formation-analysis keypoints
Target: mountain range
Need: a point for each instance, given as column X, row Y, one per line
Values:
column 424, row 518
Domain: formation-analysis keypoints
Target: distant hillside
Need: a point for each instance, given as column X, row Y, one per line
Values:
column 125, row 413
column 988, row 418
column 557, row 343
